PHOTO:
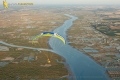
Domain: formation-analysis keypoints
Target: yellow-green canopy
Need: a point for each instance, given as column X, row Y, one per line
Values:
column 51, row 34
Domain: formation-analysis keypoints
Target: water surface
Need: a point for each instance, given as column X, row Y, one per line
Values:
column 82, row 66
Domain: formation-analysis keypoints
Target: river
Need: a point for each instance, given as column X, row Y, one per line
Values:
column 82, row 66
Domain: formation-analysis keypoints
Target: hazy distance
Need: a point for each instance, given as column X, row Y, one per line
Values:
column 65, row 1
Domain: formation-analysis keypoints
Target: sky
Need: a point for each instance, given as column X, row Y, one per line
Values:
column 65, row 1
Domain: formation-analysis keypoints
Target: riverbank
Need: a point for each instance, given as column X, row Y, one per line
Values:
column 98, row 64
column 70, row 73
column 95, row 61
column 81, row 65
column 87, row 40
column 71, row 76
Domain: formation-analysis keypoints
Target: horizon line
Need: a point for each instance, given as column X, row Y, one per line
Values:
column 77, row 3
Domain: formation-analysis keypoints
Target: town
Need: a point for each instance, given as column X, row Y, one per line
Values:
column 96, row 33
